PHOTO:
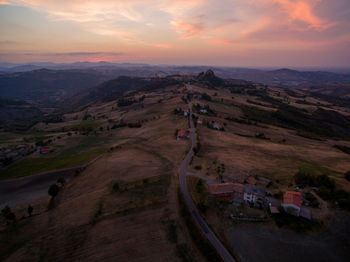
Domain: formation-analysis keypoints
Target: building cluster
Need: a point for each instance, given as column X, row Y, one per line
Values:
column 254, row 195
column 14, row 153
column 239, row 193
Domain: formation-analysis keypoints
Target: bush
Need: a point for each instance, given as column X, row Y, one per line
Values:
column 116, row 187
column 345, row 149
column 119, row 125
column 305, row 178
column 7, row 213
column 172, row 232
column 199, row 239
column 125, row 102
column 61, row 181
column 199, row 167
column 202, row 206
column 297, row 224
column 134, row 125
column 206, row 97
column 347, row 175
column 53, row 190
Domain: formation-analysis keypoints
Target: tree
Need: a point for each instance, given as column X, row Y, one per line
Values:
column 61, row 181
column 30, row 210
column 347, row 175
column 53, row 190
column 8, row 214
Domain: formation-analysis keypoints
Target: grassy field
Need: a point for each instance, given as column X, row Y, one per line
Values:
column 86, row 125
column 78, row 145
column 92, row 223
column 30, row 166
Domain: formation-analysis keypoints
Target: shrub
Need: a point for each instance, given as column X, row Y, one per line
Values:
column 53, row 190
column 305, row 178
column 7, row 213
column 116, row 187
column 199, row 239
column 345, row 149
column 61, row 181
column 172, row 232
column 125, row 102
column 30, row 210
column 198, row 167
column 134, row 125
column 347, row 175
column 202, row 206
column 297, row 224
column 206, row 97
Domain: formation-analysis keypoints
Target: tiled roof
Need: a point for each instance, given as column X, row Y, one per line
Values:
column 292, row 197
column 181, row 132
column 225, row 188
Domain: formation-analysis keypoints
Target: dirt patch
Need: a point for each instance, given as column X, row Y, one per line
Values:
column 260, row 244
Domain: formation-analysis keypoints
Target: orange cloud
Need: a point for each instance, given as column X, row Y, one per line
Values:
column 187, row 29
column 302, row 10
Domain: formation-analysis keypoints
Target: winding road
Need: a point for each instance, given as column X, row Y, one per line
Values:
column 222, row 251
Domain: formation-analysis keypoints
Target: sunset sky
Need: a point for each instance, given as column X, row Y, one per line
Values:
column 191, row 32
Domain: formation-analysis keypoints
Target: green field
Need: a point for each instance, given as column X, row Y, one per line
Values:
column 86, row 126
column 78, row 145
column 30, row 166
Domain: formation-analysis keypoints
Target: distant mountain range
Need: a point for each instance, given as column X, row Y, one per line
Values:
column 51, row 82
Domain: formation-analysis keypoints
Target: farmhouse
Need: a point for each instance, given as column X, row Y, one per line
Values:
column 227, row 191
column 182, row 134
column 292, row 202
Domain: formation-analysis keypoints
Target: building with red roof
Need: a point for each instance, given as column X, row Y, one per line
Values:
column 292, row 202
column 227, row 191
column 45, row 150
column 182, row 134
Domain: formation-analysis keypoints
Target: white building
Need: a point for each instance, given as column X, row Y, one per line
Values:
column 254, row 195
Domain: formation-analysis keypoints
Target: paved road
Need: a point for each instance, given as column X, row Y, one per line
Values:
column 222, row 251
column 23, row 190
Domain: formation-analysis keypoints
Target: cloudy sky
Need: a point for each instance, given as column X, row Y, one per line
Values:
column 207, row 32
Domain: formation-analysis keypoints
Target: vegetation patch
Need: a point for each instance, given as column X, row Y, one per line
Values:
column 141, row 192
column 326, row 187
column 85, row 144
column 297, row 224
column 86, row 126
column 322, row 123
column 201, row 242
column 345, row 149
column 30, row 166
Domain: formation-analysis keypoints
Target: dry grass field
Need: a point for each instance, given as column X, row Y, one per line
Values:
column 123, row 207
column 120, row 208
column 278, row 157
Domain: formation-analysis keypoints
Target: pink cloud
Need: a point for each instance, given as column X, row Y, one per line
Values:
column 187, row 29
column 303, row 11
